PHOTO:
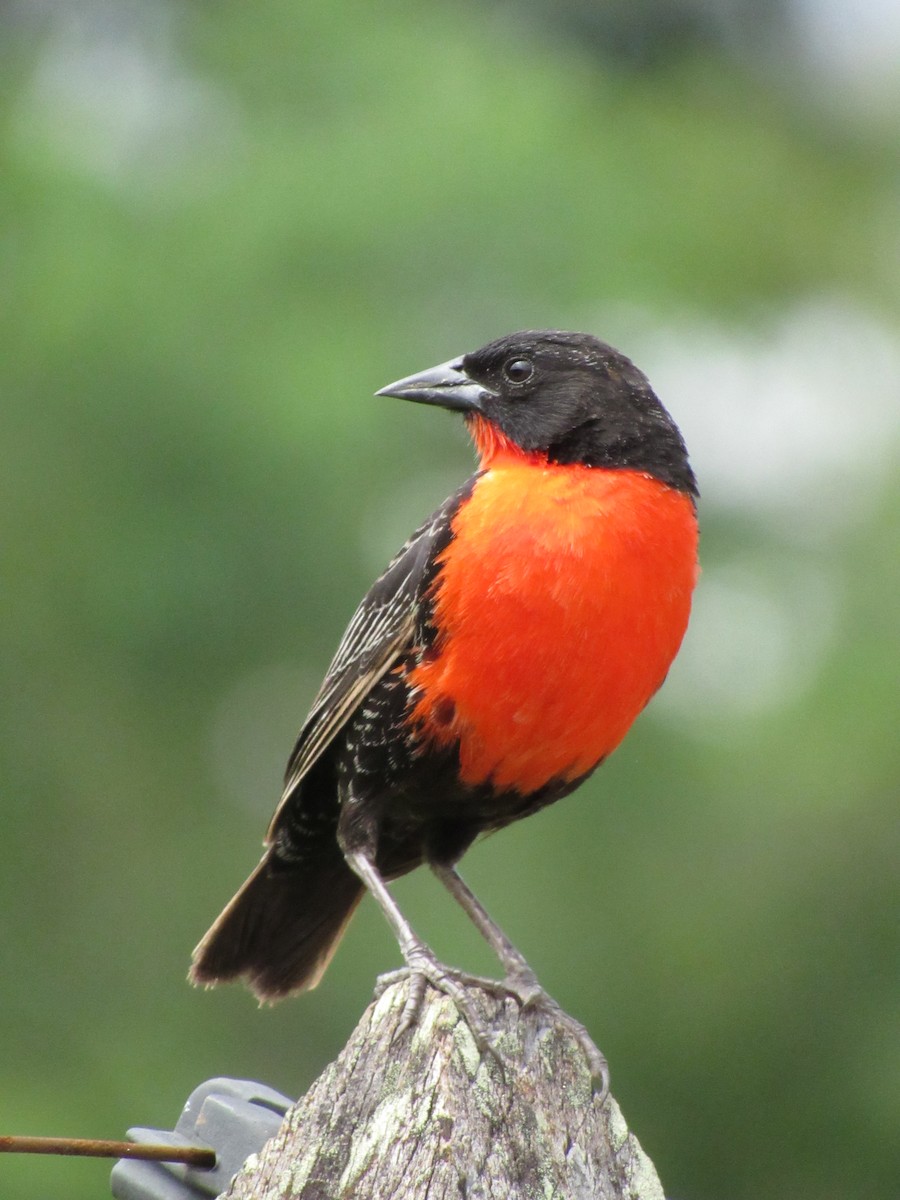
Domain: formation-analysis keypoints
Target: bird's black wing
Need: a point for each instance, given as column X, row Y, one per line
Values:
column 384, row 627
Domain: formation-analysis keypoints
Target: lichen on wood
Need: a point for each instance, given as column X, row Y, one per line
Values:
column 422, row 1114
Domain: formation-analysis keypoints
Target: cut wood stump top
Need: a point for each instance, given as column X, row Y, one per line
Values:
column 423, row 1115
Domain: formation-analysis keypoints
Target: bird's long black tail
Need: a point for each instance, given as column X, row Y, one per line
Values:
column 281, row 929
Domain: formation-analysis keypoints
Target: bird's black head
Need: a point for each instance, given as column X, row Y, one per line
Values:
column 566, row 396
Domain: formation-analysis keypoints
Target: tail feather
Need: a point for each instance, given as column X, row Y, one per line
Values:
column 281, row 929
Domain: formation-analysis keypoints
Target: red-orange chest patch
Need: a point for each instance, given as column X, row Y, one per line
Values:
column 560, row 603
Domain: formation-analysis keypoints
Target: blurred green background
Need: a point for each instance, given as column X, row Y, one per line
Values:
column 222, row 227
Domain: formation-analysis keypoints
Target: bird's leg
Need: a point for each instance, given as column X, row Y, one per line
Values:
column 520, row 980
column 421, row 963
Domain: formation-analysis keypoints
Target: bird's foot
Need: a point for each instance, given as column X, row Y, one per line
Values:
column 522, row 983
column 422, row 969
column 524, row 986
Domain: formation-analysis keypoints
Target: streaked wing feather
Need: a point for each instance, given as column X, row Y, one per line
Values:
column 383, row 629
column 340, row 703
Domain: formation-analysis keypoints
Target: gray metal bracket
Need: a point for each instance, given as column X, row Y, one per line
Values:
column 234, row 1117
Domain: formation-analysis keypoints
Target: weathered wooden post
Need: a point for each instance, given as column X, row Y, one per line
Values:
column 423, row 1115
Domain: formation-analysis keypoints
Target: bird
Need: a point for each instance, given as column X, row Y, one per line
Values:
column 495, row 664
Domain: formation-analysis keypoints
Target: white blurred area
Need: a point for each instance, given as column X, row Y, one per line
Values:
column 114, row 97
column 857, row 45
column 795, row 421
column 794, row 426
column 756, row 642
column 111, row 98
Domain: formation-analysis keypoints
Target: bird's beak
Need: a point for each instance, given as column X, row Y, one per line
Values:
column 446, row 385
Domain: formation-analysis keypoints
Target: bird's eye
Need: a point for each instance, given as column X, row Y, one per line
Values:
column 518, row 370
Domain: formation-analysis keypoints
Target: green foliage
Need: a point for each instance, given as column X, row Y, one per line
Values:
column 221, row 229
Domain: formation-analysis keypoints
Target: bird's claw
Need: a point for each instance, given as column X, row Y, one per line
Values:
column 525, row 987
column 421, row 970
column 596, row 1059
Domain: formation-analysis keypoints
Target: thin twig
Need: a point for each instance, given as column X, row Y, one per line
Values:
column 194, row 1156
